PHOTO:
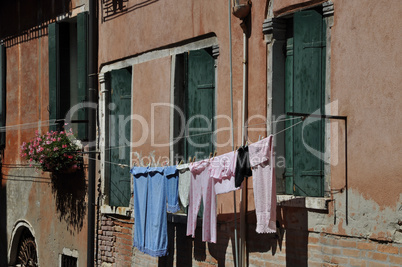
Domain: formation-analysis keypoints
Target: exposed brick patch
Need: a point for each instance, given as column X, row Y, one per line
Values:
column 113, row 246
column 293, row 248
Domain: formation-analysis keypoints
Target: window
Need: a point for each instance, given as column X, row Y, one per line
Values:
column 69, row 258
column 304, row 93
column 297, row 46
column 117, row 149
column 195, row 96
column 68, row 261
column 68, row 71
column 2, row 95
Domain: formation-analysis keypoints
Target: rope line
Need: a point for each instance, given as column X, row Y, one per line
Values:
column 127, row 166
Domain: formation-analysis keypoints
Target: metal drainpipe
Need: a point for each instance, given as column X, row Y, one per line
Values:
column 243, row 201
column 241, row 9
column 92, row 91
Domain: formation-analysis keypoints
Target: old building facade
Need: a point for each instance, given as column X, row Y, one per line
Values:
column 43, row 74
column 174, row 74
column 296, row 56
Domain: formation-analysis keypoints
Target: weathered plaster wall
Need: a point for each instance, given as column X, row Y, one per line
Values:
column 281, row 7
column 151, row 85
column 56, row 211
column 365, row 80
column 161, row 24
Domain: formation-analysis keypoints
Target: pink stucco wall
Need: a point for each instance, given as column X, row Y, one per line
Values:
column 162, row 24
column 366, row 79
column 365, row 62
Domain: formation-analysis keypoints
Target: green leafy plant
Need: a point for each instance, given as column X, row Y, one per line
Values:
column 53, row 151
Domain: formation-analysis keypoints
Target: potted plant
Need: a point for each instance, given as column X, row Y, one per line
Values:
column 54, row 151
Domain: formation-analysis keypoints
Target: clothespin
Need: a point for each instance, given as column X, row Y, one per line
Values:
column 210, row 155
column 248, row 142
column 121, row 166
column 189, row 159
column 181, row 162
column 215, row 153
column 193, row 159
column 259, row 137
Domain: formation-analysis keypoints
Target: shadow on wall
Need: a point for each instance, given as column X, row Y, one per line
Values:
column 69, row 191
column 3, row 220
column 292, row 233
column 183, row 249
column 112, row 9
column 23, row 16
column 294, row 220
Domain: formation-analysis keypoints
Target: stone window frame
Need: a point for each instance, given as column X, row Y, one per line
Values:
column 274, row 31
column 207, row 41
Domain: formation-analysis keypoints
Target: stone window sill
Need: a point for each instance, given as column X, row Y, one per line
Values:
column 123, row 211
column 315, row 203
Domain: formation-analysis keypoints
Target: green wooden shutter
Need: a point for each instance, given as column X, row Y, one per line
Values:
column 82, row 60
column 64, row 57
column 53, row 33
column 289, row 108
column 200, row 102
column 119, row 151
column 2, row 95
column 308, row 92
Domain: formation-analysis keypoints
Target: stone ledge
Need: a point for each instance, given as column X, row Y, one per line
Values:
column 124, row 211
column 315, row 203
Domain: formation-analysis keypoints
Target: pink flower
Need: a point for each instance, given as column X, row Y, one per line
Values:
column 58, row 139
column 70, row 157
column 48, row 142
column 55, row 149
column 64, row 146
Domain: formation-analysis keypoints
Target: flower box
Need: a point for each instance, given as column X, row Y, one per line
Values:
column 54, row 151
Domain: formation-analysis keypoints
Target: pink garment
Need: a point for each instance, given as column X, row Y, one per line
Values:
column 263, row 167
column 222, row 170
column 202, row 186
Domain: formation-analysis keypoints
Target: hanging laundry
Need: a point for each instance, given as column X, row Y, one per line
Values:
column 201, row 186
column 172, row 188
column 153, row 187
column 140, row 194
column 263, row 168
column 184, row 183
column 243, row 168
column 222, row 170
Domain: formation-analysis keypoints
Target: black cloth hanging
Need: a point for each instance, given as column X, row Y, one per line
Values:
column 243, row 168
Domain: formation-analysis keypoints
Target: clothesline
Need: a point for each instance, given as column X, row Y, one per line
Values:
column 53, row 122
column 28, row 125
column 210, row 132
column 248, row 126
column 127, row 166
